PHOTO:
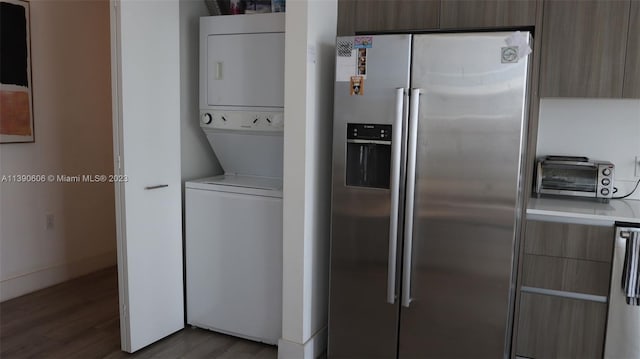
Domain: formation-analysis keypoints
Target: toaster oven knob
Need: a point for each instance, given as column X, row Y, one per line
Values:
column 606, row 171
column 606, row 181
column 604, row 191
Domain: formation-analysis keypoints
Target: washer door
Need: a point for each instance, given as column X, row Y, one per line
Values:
column 234, row 263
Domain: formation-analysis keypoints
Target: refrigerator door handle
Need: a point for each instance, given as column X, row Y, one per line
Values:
column 412, row 149
column 395, row 195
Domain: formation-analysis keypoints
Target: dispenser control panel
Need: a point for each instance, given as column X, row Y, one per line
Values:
column 358, row 131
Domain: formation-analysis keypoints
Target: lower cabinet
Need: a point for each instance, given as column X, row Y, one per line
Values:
column 566, row 271
column 556, row 327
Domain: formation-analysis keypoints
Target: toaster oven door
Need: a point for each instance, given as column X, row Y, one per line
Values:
column 568, row 179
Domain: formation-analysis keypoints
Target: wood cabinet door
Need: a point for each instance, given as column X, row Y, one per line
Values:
column 632, row 66
column 569, row 240
column 554, row 327
column 566, row 274
column 387, row 15
column 583, row 48
column 487, row 13
column 346, row 17
column 566, row 270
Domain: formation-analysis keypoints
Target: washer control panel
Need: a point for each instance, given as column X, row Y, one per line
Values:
column 242, row 120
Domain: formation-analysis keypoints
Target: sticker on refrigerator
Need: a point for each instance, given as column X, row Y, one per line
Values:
column 357, row 85
column 509, row 54
column 362, row 63
column 344, row 48
column 518, row 46
column 346, row 67
column 363, row 42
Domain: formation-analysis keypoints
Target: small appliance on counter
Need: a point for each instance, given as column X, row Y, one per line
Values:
column 575, row 176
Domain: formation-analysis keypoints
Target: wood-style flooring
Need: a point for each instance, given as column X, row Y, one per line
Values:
column 79, row 319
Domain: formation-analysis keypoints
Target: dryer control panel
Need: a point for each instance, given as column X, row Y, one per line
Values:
column 242, row 120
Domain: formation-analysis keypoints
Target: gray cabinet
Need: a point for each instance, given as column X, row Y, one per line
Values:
column 458, row 14
column 346, row 17
column 387, row 15
column 566, row 274
column 566, row 271
column 569, row 240
column 632, row 66
column 589, row 48
column 554, row 327
column 583, row 48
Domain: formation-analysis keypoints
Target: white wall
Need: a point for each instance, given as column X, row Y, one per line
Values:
column 70, row 50
column 602, row 129
column 309, row 68
column 197, row 158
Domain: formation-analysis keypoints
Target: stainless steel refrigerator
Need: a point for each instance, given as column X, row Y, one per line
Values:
column 429, row 133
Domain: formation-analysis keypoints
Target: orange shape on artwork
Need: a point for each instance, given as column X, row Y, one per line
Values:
column 15, row 116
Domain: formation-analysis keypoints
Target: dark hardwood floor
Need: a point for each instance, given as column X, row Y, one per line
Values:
column 79, row 319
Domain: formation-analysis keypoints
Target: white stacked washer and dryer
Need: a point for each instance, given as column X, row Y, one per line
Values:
column 234, row 221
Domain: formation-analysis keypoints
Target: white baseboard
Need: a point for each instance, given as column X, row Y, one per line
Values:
column 312, row 349
column 31, row 282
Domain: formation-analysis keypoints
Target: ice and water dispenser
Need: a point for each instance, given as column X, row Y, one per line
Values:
column 368, row 155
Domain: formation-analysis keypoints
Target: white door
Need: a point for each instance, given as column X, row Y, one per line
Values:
column 234, row 263
column 248, row 72
column 146, row 108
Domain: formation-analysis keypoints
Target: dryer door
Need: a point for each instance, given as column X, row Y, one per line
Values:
column 245, row 70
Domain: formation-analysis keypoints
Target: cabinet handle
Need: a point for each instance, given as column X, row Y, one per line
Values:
column 564, row 294
column 156, row 187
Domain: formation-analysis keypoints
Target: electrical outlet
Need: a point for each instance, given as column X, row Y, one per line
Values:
column 50, row 220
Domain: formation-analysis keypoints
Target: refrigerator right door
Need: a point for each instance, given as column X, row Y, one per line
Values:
column 460, row 241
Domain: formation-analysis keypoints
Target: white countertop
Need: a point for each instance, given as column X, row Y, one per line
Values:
column 584, row 211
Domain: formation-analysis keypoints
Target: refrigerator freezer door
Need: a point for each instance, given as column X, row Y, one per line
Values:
column 362, row 322
column 468, row 164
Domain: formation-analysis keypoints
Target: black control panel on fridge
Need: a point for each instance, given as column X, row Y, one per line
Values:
column 358, row 131
column 368, row 155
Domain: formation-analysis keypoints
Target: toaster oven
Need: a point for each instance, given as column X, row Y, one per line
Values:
column 575, row 176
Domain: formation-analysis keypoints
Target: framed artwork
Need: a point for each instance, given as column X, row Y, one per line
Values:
column 16, row 101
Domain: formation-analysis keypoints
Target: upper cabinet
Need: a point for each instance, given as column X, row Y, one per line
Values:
column 457, row 14
column 583, row 48
column 387, row 15
column 346, row 17
column 589, row 48
column 631, row 87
